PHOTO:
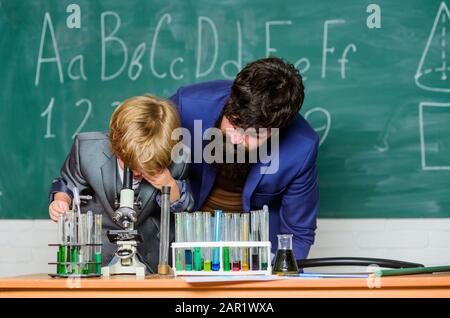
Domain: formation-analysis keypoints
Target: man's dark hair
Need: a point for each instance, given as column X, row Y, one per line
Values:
column 267, row 93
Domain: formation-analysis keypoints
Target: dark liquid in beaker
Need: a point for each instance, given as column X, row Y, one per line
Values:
column 285, row 263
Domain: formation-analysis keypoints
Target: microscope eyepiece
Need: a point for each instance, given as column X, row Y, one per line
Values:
column 127, row 178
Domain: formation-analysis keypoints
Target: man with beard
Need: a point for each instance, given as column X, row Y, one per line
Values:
column 261, row 104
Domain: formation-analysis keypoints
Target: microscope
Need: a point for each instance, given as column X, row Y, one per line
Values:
column 126, row 260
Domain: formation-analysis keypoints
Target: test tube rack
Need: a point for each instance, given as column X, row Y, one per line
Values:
column 76, row 269
column 79, row 245
column 265, row 245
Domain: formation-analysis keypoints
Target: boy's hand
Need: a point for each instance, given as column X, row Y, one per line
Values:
column 59, row 206
column 165, row 179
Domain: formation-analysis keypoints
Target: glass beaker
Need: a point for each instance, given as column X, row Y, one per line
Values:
column 285, row 262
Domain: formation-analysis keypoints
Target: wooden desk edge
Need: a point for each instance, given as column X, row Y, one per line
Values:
column 405, row 286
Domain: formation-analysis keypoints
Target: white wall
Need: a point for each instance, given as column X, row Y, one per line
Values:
column 425, row 241
column 24, row 250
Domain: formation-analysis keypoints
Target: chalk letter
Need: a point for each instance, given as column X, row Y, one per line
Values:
column 325, row 41
column 80, row 60
column 344, row 60
column 268, row 24
column 199, row 46
column 111, row 38
column 137, row 55
column 237, row 63
column 152, row 50
column 304, row 69
column 56, row 58
column 172, row 66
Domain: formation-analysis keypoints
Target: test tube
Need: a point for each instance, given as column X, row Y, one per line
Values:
column 226, row 236
column 68, row 239
column 245, row 238
column 82, row 225
column 198, row 221
column 76, row 252
column 89, row 241
column 188, row 231
column 73, row 240
column 264, row 228
column 255, row 238
column 207, row 238
column 216, row 238
column 179, row 237
column 236, row 229
column 163, row 265
column 62, row 250
column 98, row 242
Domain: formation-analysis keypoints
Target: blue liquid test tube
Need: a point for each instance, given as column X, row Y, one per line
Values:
column 189, row 236
column 216, row 238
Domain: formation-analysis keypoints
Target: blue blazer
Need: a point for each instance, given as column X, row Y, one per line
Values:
column 291, row 193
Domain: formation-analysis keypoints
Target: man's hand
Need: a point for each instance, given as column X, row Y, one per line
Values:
column 59, row 205
column 165, row 179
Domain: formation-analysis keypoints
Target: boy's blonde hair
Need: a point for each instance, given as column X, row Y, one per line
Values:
column 140, row 133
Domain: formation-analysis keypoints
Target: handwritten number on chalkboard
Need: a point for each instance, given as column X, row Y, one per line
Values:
column 324, row 129
column 86, row 116
column 48, row 113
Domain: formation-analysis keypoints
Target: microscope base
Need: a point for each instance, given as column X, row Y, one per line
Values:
column 135, row 268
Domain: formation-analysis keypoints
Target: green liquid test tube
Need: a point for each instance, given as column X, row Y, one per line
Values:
column 74, row 260
column 226, row 259
column 98, row 263
column 72, row 241
column 89, row 254
column 67, row 240
column 61, row 258
column 98, row 240
column 197, row 259
column 82, row 240
column 226, row 236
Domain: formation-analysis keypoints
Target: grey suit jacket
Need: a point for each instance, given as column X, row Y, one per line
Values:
column 92, row 168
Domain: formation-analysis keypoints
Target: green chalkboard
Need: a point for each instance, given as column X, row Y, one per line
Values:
column 378, row 94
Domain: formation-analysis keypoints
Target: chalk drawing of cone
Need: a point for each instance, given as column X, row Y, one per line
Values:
column 433, row 72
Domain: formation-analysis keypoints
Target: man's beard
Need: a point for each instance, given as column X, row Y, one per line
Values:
column 235, row 161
